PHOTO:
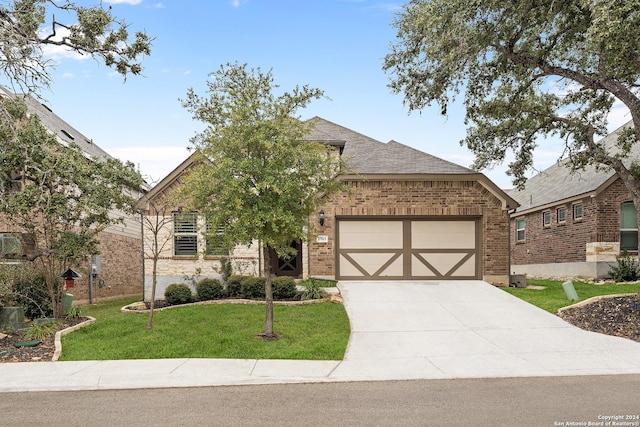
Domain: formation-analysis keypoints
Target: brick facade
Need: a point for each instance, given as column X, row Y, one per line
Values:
column 575, row 240
column 566, row 242
column 120, row 268
column 395, row 198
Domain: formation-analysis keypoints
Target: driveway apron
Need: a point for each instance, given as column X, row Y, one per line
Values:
column 465, row 329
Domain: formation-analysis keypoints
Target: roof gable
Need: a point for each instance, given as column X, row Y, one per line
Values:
column 558, row 182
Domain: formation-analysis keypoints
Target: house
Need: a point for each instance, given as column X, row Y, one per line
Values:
column 572, row 224
column 410, row 215
column 119, row 264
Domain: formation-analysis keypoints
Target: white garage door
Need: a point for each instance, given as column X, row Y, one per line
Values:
column 404, row 249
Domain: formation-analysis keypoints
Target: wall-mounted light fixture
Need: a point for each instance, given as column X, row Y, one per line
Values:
column 321, row 217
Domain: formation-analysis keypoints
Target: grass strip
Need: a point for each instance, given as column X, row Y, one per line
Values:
column 309, row 332
column 553, row 297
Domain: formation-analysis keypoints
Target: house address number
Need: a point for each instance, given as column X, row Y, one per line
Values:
column 322, row 239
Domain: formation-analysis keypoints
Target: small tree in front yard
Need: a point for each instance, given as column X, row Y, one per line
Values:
column 156, row 217
column 57, row 196
column 262, row 179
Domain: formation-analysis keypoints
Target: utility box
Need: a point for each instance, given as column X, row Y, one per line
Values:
column 518, row 281
column 95, row 265
column 570, row 291
column 12, row 318
column 66, row 303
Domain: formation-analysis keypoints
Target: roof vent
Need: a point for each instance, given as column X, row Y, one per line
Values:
column 67, row 134
column 47, row 108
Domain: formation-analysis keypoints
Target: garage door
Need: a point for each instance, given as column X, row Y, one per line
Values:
column 404, row 249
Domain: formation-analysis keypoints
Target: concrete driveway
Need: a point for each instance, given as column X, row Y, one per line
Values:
column 466, row 329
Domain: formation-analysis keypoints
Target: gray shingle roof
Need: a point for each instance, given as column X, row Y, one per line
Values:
column 558, row 183
column 366, row 155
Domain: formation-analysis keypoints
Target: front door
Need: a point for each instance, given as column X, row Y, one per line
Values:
column 288, row 266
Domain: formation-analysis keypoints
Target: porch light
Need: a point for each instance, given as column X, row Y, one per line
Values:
column 321, row 217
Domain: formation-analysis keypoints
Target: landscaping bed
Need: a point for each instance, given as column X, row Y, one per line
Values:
column 42, row 352
column 618, row 316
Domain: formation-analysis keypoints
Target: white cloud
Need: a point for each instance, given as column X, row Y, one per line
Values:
column 618, row 115
column 60, row 52
column 159, row 6
column 154, row 164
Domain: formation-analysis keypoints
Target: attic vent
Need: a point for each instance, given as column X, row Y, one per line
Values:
column 47, row 108
column 67, row 134
column 88, row 141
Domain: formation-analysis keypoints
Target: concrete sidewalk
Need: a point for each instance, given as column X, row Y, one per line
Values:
column 399, row 330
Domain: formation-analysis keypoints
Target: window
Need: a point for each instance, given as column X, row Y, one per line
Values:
column 577, row 211
column 10, row 244
column 185, row 237
column 562, row 215
column 215, row 244
column 520, row 229
column 628, row 227
column 546, row 218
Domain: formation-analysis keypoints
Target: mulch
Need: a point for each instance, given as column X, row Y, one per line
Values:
column 617, row 316
column 42, row 352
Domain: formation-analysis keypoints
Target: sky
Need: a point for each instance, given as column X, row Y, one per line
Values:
column 337, row 46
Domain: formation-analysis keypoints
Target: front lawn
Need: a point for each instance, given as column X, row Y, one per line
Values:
column 553, row 297
column 309, row 332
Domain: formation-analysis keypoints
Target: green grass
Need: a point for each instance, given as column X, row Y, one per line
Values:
column 309, row 332
column 553, row 297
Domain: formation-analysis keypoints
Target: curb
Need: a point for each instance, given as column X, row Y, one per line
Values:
column 60, row 334
column 126, row 308
column 593, row 299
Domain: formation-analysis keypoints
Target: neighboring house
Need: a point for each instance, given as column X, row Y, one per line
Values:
column 410, row 215
column 572, row 224
column 120, row 262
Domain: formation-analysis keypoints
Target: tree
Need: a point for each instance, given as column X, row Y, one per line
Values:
column 57, row 196
column 54, row 193
column 527, row 69
column 261, row 179
column 156, row 217
column 95, row 32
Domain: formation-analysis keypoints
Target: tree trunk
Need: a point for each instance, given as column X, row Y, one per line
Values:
column 268, row 292
column 154, row 282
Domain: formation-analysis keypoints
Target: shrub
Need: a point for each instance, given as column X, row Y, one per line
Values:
column 313, row 289
column 208, row 289
column 627, row 269
column 178, row 293
column 22, row 285
column 284, row 288
column 234, row 287
column 32, row 294
column 252, row 287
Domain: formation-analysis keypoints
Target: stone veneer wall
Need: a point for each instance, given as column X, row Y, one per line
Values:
column 420, row 199
column 186, row 269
